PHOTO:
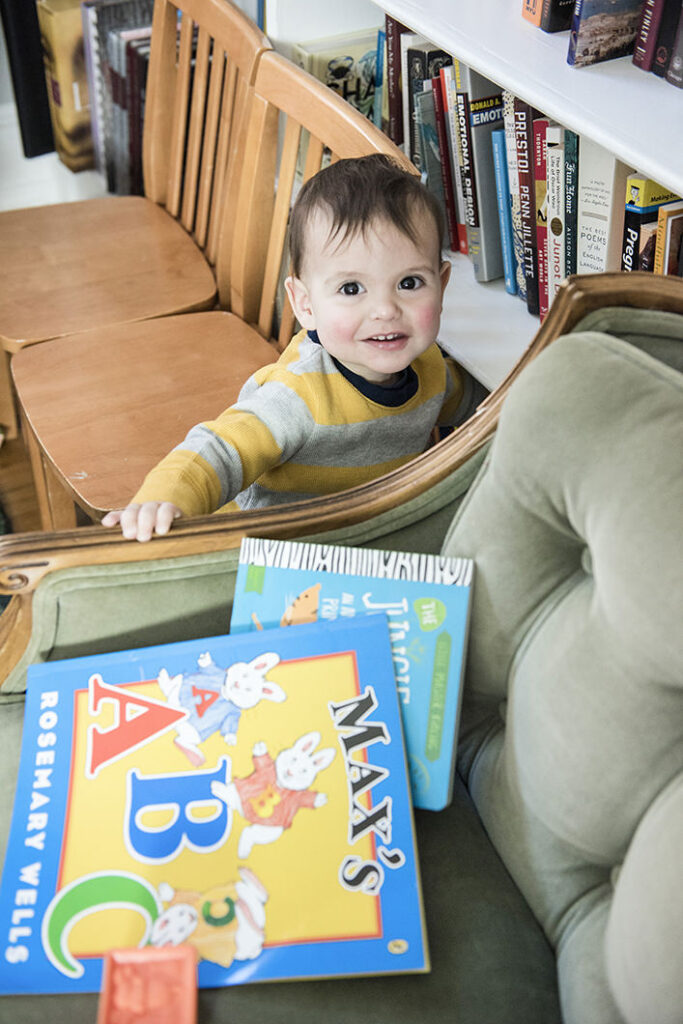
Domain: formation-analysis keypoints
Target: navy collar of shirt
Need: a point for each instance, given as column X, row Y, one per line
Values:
column 391, row 395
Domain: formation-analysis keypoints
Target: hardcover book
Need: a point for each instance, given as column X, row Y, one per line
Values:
column 427, row 601
column 666, row 37
column 345, row 63
column 571, row 184
column 480, row 111
column 504, row 217
column 99, row 18
column 513, row 181
column 531, row 10
column 246, row 795
column 556, row 15
column 648, row 28
column 393, row 30
column 668, row 245
column 674, row 72
column 644, row 197
column 430, row 151
column 556, row 208
column 600, row 209
column 524, row 115
column 449, row 91
column 61, row 36
column 422, row 61
column 602, row 30
column 445, row 163
column 540, row 127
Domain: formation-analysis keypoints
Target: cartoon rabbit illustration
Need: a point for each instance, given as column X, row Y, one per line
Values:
column 271, row 795
column 225, row 923
column 214, row 698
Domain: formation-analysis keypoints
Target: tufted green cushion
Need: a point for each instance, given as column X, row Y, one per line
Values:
column 573, row 712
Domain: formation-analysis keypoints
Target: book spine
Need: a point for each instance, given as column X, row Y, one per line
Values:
column 555, row 234
column 596, row 37
column 646, row 39
column 524, row 140
column 393, row 30
column 504, row 216
column 571, row 176
column 416, row 63
column 674, row 72
column 666, row 37
column 483, row 112
column 447, row 75
column 658, row 259
column 446, row 171
column 531, row 11
column 513, row 182
column 471, row 210
column 556, row 15
column 602, row 187
column 379, row 80
column 574, row 32
column 540, row 127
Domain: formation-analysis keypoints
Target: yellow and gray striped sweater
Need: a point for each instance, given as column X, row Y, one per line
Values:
column 304, row 427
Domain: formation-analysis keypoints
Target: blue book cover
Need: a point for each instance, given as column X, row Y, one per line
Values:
column 213, row 793
column 427, row 601
column 504, row 213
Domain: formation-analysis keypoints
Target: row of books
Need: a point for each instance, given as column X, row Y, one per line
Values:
column 116, row 39
column 250, row 794
column 599, row 30
column 526, row 199
column 658, row 46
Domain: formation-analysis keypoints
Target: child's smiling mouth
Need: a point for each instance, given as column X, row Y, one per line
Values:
column 394, row 340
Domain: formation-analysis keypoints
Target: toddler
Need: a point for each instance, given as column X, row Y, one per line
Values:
column 359, row 389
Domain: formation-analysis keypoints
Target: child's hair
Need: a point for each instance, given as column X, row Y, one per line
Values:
column 357, row 192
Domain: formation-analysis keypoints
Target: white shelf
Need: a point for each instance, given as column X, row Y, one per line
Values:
column 632, row 113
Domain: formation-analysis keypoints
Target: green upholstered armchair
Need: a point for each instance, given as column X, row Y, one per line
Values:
column 552, row 883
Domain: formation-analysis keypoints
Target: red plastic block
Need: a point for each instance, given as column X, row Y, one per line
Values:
column 149, row 986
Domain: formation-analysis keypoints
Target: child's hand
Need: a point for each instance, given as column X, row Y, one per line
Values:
column 139, row 522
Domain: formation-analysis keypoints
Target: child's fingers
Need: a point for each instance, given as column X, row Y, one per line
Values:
column 130, row 522
column 166, row 513
column 112, row 518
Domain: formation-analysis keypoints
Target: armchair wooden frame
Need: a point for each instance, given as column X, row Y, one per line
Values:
column 26, row 559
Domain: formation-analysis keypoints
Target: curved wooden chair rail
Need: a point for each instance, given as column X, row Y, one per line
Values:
column 70, row 267
column 136, row 388
column 25, row 559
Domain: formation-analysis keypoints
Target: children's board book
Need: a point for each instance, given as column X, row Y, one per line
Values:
column 247, row 795
column 427, row 601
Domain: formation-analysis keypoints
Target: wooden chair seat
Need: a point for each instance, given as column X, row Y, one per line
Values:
column 133, row 391
column 73, row 266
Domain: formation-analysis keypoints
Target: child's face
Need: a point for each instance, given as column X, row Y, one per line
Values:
column 374, row 300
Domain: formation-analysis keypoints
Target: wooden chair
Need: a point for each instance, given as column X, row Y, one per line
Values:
column 135, row 389
column 75, row 266
column 419, row 496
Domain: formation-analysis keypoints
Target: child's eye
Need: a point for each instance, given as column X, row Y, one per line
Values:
column 410, row 283
column 351, row 288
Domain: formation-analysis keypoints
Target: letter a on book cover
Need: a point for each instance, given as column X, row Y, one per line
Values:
column 245, row 795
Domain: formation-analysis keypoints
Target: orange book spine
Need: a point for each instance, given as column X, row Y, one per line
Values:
column 531, row 10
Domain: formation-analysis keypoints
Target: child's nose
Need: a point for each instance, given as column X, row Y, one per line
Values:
column 385, row 308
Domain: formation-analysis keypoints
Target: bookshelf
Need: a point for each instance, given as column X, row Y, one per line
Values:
column 633, row 114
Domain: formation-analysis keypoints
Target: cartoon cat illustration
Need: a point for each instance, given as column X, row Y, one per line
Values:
column 214, row 698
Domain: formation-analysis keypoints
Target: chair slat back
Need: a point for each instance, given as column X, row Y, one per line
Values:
column 293, row 125
column 203, row 59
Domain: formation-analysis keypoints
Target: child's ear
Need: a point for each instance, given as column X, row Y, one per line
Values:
column 444, row 274
column 300, row 301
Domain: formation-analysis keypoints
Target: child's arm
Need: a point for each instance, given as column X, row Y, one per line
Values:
column 139, row 522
